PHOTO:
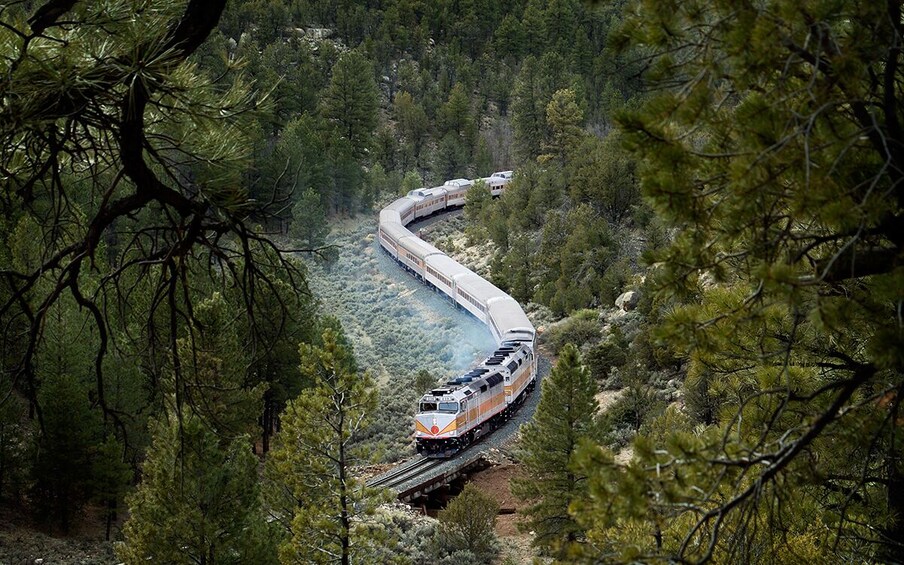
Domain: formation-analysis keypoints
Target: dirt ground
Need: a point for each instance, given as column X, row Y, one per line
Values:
column 23, row 542
column 495, row 482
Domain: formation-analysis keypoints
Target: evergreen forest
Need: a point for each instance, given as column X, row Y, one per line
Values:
column 704, row 225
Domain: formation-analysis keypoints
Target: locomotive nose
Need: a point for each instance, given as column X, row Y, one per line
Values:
column 435, row 425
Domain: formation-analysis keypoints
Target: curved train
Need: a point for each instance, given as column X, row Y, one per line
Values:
column 452, row 416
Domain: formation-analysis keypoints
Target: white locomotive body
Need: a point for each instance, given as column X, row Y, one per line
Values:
column 451, row 417
column 474, row 404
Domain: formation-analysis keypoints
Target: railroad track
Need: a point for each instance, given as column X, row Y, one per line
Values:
column 405, row 473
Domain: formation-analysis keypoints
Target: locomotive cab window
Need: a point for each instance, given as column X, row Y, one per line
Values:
column 428, row 407
column 450, row 407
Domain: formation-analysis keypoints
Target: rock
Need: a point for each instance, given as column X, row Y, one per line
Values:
column 318, row 33
column 628, row 300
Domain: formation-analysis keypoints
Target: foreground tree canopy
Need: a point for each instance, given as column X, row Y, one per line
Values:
column 776, row 149
column 547, row 445
column 134, row 279
column 317, row 450
column 198, row 502
column 122, row 167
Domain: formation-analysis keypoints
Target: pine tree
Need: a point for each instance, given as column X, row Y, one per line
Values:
column 533, row 26
column 298, row 160
column 478, row 203
column 517, row 269
column 603, row 175
column 455, row 115
column 310, row 467
column 483, row 156
column 564, row 118
column 13, row 447
column 533, row 90
column 412, row 121
column 274, row 346
column 351, row 100
column 214, row 378
column 508, row 39
column 309, row 221
column 111, row 478
column 450, row 157
column 560, row 19
column 68, row 433
column 198, row 501
column 62, row 468
column 528, row 116
column 411, row 181
column 547, row 444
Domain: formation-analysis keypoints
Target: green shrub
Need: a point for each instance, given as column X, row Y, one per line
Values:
column 611, row 354
column 580, row 329
column 468, row 525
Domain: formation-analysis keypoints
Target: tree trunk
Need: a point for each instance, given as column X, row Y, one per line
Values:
column 343, row 496
column 111, row 515
column 267, row 421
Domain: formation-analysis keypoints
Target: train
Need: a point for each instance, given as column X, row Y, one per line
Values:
column 452, row 416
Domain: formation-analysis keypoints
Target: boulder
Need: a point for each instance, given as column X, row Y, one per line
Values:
column 318, row 33
column 628, row 300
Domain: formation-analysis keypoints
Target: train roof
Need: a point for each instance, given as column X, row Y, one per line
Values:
column 401, row 205
column 479, row 288
column 422, row 193
column 388, row 216
column 473, row 380
column 503, row 174
column 495, row 181
column 504, row 354
column 435, row 191
column 419, row 247
column 457, row 188
column 487, row 373
column 458, row 182
column 447, row 266
column 506, row 314
column 395, row 230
